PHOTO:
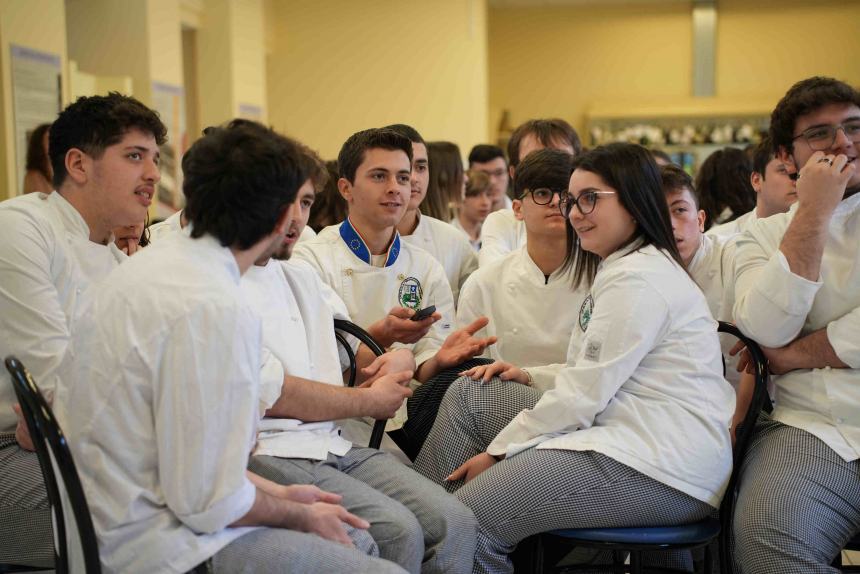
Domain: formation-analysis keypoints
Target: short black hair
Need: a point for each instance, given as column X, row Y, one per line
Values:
column 239, row 178
column 543, row 168
column 94, row 123
column 407, row 132
column 352, row 153
column 803, row 98
column 723, row 180
column 547, row 132
column 482, row 153
column 675, row 178
column 761, row 156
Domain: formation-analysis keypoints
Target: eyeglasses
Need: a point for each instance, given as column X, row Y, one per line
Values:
column 586, row 202
column 543, row 195
column 821, row 138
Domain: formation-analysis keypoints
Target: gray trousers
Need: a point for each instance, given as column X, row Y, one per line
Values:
column 26, row 536
column 273, row 550
column 540, row 490
column 799, row 503
column 415, row 523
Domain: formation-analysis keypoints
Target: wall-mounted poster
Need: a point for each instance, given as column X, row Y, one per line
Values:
column 169, row 101
column 36, row 96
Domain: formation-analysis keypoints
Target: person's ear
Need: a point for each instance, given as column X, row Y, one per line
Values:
column 755, row 181
column 517, row 206
column 78, row 165
column 701, row 217
column 345, row 189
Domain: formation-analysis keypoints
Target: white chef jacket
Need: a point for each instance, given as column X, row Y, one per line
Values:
column 160, row 406
column 449, row 246
column 307, row 233
column 164, row 228
column 501, row 233
column 736, row 226
column 476, row 244
column 644, row 381
column 47, row 265
column 533, row 317
column 412, row 279
column 298, row 331
column 775, row 306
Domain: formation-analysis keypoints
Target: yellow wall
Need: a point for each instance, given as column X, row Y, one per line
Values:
column 339, row 66
column 764, row 47
column 37, row 24
column 557, row 61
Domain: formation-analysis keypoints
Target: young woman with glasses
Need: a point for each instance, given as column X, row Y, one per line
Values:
column 635, row 428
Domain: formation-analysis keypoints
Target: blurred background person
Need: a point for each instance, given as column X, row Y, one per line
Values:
column 723, row 184
column 329, row 207
column 475, row 207
column 39, row 174
column 445, row 189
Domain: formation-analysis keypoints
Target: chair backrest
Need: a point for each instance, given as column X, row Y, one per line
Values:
column 342, row 325
column 75, row 542
column 760, row 401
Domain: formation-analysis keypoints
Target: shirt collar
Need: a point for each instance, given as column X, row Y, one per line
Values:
column 72, row 219
column 359, row 248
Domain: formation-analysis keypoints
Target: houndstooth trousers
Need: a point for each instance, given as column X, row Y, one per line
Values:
column 540, row 490
column 799, row 503
column 26, row 536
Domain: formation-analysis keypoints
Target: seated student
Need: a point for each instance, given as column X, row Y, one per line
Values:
column 53, row 248
column 160, row 403
column 635, row 429
column 723, row 185
column 774, row 190
column 299, row 442
column 798, row 295
column 528, row 295
column 474, row 208
column 502, row 232
column 490, row 160
column 440, row 239
column 382, row 280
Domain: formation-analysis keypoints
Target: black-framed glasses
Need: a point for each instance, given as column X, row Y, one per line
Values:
column 586, row 202
column 543, row 195
column 821, row 138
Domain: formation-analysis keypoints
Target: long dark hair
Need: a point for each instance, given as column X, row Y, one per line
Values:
column 724, row 181
column 37, row 155
column 630, row 170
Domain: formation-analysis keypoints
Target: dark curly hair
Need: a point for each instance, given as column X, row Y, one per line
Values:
column 802, row 98
column 239, row 178
column 94, row 123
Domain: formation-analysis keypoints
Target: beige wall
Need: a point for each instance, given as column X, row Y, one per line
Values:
column 37, row 24
column 339, row 66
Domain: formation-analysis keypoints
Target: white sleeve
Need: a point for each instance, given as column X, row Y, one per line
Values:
column 202, row 474
column 496, row 240
column 771, row 302
column 471, row 306
column 610, row 352
column 844, row 337
column 34, row 325
column 271, row 380
column 468, row 264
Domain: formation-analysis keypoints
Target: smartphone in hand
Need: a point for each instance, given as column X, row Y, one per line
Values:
column 423, row 313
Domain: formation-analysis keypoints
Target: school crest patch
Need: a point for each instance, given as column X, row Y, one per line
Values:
column 410, row 292
column 585, row 313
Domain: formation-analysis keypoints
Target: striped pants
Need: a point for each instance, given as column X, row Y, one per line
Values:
column 799, row 503
column 540, row 490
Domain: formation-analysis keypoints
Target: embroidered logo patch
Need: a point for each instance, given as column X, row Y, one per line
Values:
column 410, row 293
column 585, row 313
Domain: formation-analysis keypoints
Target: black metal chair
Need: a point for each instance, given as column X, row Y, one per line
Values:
column 75, row 544
column 635, row 541
column 343, row 326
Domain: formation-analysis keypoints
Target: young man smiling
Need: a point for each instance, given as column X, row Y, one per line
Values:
column 53, row 248
column 797, row 285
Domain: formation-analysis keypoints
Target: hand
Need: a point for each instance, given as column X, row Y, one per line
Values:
column 821, row 185
column 308, row 494
column 391, row 362
column 505, row 371
column 386, row 395
column 779, row 360
column 131, row 246
column 397, row 327
column 472, row 467
column 22, row 433
column 328, row 521
column 462, row 344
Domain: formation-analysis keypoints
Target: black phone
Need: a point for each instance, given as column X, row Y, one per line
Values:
column 423, row 313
